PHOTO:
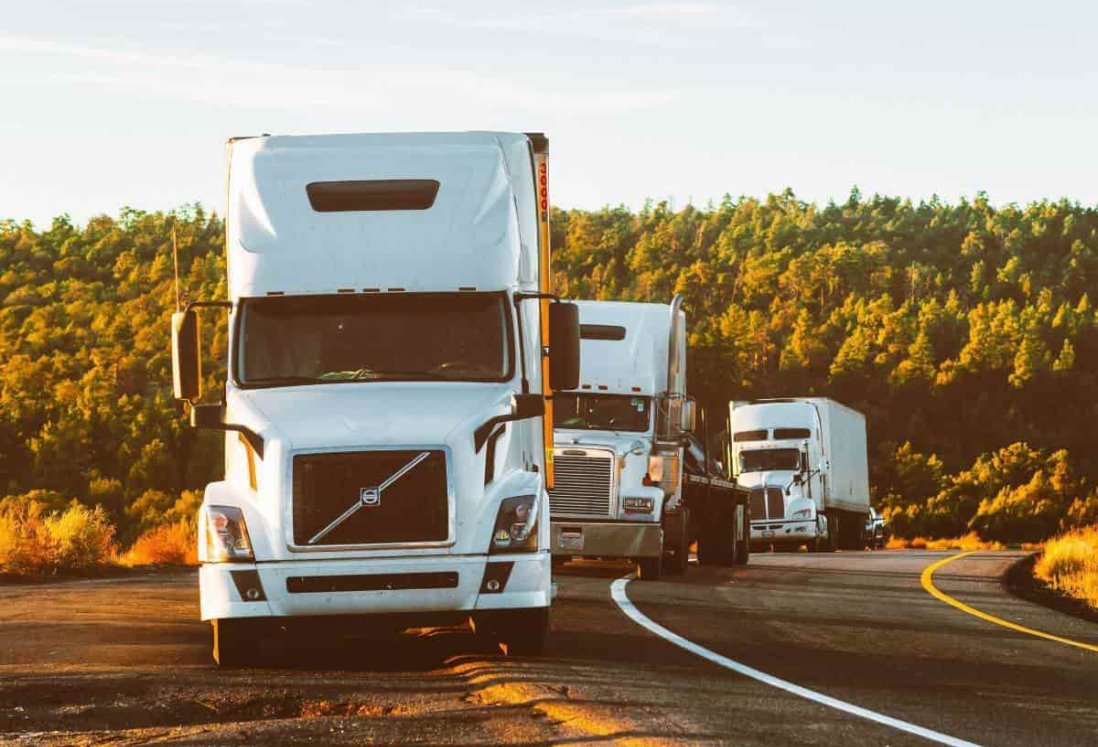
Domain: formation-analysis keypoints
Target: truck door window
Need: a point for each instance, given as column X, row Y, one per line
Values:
column 769, row 460
column 417, row 337
column 601, row 412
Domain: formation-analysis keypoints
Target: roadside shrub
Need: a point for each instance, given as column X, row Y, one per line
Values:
column 1069, row 564
column 970, row 541
column 23, row 550
column 1027, row 513
column 167, row 544
column 36, row 542
column 80, row 538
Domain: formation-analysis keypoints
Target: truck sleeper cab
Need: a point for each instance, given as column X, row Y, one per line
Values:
column 385, row 404
column 804, row 462
column 621, row 489
column 616, row 452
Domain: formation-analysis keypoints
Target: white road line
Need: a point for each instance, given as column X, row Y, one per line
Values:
column 617, row 592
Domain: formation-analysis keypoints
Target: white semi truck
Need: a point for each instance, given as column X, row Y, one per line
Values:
column 804, row 461
column 392, row 346
column 632, row 480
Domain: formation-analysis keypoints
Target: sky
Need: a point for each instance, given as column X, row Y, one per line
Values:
column 108, row 103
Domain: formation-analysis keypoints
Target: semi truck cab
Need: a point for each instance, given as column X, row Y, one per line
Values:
column 804, row 462
column 392, row 345
column 619, row 435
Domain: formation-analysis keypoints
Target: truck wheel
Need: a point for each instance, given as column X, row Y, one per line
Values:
column 679, row 555
column 743, row 546
column 831, row 543
column 706, row 546
column 649, row 569
column 236, row 642
column 727, row 542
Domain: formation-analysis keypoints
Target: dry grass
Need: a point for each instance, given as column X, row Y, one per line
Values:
column 970, row 541
column 168, row 544
column 36, row 543
column 1069, row 564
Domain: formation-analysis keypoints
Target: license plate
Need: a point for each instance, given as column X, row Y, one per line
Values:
column 768, row 533
column 571, row 541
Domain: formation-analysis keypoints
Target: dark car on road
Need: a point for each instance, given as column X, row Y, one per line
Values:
column 876, row 532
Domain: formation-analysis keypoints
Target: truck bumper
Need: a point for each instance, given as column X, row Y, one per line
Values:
column 374, row 586
column 783, row 532
column 604, row 539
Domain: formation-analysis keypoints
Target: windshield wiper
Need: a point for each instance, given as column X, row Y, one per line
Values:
column 417, row 375
column 284, row 380
column 369, row 374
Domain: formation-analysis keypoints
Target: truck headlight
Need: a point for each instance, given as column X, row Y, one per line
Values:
column 804, row 513
column 638, row 505
column 226, row 533
column 515, row 524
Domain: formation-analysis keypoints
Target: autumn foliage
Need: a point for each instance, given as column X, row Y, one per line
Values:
column 34, row 541
column 966, row 333
column 1069, row 564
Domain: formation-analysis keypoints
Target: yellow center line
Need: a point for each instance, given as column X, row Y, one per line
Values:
column 927, row 580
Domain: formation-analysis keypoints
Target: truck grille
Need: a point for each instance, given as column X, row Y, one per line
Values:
column 775, row 503
column 758, row 504
column 767, row 503
column 370, row 497
column 584, row 485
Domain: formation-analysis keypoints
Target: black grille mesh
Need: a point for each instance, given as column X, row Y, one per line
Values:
column 414, row 508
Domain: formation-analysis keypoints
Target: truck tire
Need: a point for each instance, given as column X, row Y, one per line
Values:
column 831, row 542
column 727, row 541
column 523, row 632
column 649, row 569
column 678, row 556
column 236, row 642
column 743, row 545
column 707, row 545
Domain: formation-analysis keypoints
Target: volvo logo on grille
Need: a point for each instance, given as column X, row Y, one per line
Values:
column 369, row 497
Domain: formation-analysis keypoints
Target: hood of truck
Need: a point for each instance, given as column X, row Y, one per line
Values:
column 621, row 442
column 363, row 414
column 771, row 479
column 793, row 501
column 370, row 416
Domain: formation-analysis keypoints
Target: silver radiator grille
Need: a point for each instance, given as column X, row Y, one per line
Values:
column 584, row 485
column 767, row 503
column 775, row 503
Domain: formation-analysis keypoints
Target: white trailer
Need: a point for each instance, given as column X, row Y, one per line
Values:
column 804, row 461
column 392, row 346
column 627, row 485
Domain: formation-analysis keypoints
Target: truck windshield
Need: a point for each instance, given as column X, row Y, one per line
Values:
column 768, row 460
column 418, row 337
column 601, row 412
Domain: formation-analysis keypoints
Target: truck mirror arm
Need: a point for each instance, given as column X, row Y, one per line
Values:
column 212, row 417
column 797, row 479
column 526, row 406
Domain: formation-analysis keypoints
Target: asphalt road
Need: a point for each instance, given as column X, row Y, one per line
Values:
column 125, row 661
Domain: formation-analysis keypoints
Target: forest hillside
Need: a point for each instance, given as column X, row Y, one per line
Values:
column 966, row 332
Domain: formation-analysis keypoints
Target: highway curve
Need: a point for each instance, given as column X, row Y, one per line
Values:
column 124, row 661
